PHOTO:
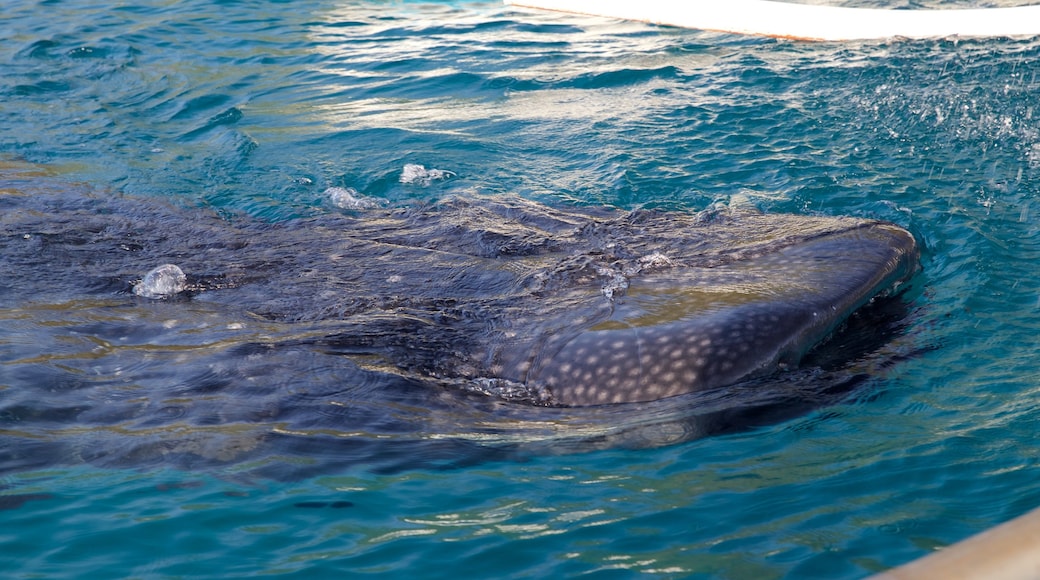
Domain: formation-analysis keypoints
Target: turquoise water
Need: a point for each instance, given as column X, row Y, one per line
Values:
column 260, row 107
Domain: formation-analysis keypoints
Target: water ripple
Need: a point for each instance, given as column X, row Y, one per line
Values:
column 259, row 108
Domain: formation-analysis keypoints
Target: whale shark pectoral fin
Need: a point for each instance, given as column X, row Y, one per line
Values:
column 703, row 328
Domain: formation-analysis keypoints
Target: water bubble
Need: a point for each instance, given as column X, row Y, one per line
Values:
column 162, row 282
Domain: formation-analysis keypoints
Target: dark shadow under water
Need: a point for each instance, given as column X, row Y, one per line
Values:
column 273, row 367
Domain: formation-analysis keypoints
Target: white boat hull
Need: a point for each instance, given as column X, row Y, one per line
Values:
column 807, row 22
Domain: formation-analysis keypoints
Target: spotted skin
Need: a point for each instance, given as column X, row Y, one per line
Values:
column 667, row 338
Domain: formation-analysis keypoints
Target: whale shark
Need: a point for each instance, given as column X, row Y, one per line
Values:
column 505, row 298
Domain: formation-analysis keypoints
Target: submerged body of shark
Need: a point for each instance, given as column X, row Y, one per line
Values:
column 564, row 307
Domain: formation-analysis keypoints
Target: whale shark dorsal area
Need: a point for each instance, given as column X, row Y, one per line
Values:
column 569, row 306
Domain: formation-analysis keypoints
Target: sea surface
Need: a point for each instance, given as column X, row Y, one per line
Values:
column 275, row 109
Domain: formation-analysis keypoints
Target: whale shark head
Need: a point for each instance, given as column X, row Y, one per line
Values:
column 692, row 329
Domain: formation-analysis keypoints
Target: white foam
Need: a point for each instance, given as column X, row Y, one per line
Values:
column 415, row 174
column 348, row 198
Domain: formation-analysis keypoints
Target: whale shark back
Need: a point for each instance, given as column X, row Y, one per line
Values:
column 566, row 305
column 434, row 335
